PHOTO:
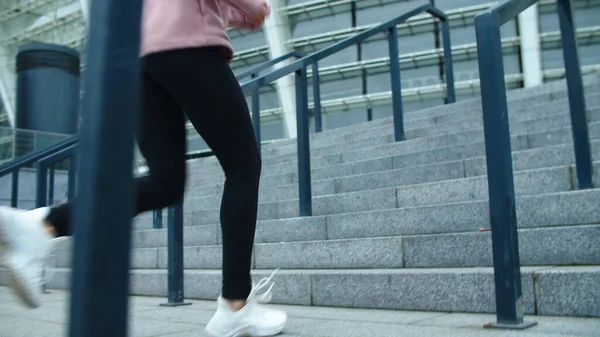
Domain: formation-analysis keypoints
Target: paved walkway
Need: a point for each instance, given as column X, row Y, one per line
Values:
column 150, row 320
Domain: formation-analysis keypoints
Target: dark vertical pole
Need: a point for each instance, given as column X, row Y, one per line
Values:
column 175, row 264
column 363, row 72
column 304, row 183
column 507, row 274
column 14, row 196
column 256, row 115
column 104, row 208
column 396, row 84
column 41, row 194
column 157, row 219
column 451, row 94
column 437, row 44
column 72, row 177
column 581, row 140
column 317, row 97
column 52, row 174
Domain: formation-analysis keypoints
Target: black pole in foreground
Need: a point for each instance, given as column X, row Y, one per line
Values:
column 103, row 211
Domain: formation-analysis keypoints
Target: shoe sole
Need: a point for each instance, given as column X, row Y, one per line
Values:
column 16, row 281
column 251, row 332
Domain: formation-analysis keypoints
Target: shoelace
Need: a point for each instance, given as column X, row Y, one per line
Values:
column 266, row 296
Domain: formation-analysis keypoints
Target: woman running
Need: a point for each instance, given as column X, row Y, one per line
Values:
column 185, row 54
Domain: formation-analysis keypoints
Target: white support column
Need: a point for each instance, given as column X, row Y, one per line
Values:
column 85, row 9
column 531, row 53
column 277, row 32
column 8, row 85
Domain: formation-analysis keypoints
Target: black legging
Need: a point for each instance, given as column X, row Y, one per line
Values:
column 200, row 82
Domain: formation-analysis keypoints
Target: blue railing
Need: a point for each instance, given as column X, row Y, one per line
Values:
column 254, row 71
column 105, row 204
column 299, row 67
column 509, row 303
column 15, row 166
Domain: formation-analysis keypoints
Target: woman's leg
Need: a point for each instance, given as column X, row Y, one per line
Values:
column 161, row 137
column 203, row 84
column 25, row 236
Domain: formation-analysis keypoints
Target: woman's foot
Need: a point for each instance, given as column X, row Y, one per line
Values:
column 253, row 319
column 24, row 245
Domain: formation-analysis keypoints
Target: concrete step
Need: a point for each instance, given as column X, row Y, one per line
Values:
column 526, row 112
column 333, row 136
column 516, row 98
column 275, row 185
column 420, row 184
column 384, row 135
column 462, row 168
column 435, row 137
column 572, row 245
column 536, row 181
column 571, row 291
column 558, row 155
column 551, row 209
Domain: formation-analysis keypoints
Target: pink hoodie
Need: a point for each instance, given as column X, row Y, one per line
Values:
column 176, row 24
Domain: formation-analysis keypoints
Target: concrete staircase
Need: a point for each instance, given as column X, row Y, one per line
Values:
column 402, row 225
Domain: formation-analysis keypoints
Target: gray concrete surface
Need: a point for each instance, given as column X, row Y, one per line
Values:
column 147, row 319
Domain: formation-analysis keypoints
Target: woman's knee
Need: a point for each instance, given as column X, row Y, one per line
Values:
column 250, row 168
column 171, row 187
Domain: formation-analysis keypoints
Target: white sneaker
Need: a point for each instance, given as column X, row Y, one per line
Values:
column 25, row 245
column 255, row 319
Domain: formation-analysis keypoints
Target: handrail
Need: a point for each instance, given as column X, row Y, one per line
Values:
column 256, row 69
column 299, row 67
column 32, row 157
column 319, row 55
column 509, row 302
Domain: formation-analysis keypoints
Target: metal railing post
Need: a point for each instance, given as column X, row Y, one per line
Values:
column 14, row 193
column 99, row 305
column 317, row 97
column 256, row 115
column 581, row 138
column 41, row 195
column 396, row 84
column 72, row 182
column 448, row 65
column 505, row 246
column 175, row 264
column 157, row 219
column 52, row 175
column 302, row 125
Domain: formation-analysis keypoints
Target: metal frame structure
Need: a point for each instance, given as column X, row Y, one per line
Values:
column 100, row 278
column 503, row 217
column 300, row 68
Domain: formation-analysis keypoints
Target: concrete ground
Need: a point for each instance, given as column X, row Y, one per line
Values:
column 148, row 319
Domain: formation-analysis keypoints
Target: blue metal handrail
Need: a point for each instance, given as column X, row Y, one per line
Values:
column 258, row 68
column 103, row 214
column 299, row 67
column 13, row 167
column 509, row 302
